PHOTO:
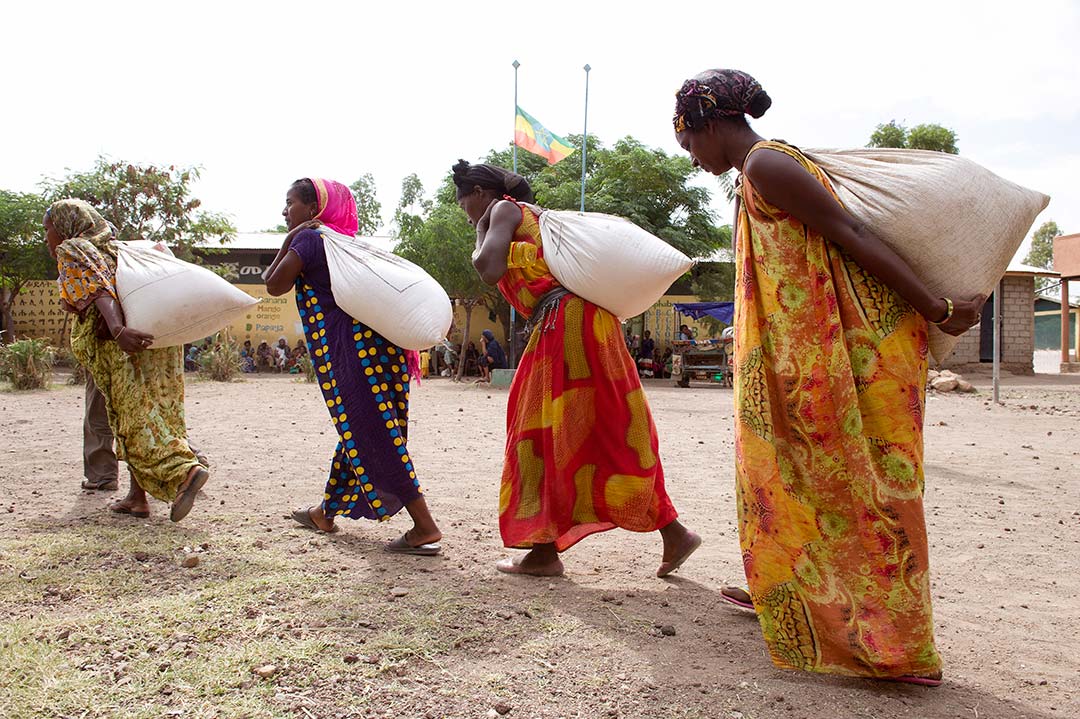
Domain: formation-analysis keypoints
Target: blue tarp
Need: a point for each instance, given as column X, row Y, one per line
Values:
column 723, row 311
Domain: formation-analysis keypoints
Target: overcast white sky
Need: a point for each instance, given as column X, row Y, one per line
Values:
column 260, row 93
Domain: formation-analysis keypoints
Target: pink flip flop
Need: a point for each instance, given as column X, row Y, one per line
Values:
column 733, row 600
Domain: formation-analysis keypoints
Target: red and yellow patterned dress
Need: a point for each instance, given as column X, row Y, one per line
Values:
column 581, row 447
column 829, row 390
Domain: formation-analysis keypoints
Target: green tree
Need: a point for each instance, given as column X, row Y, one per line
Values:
column 368, row 208
column 438, row 237
column 932, row 137
column 23, row 255
column 921, row 137
column 1041, row 253
column 146, row 202
column 889, row 135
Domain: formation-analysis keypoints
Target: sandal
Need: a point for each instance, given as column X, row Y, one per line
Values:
column 401, row 546
column 734, row 595
column 303, row 518
column 918, row 681
column 121, row 509
column 186, row 499
column 101, row 485
column 667, row 568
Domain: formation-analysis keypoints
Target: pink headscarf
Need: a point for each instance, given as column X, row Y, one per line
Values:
column 337, row 207
column 337, row 210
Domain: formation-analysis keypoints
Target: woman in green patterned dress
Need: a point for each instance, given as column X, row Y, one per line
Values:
column 143, row 388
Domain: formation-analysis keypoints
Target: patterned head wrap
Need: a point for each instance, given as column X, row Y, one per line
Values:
column 718, row 93
column 77, row 219
column 86, row 265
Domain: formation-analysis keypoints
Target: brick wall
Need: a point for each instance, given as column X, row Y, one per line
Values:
column 1017, row 330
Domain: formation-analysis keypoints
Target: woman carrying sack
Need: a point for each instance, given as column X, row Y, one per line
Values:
column 143, row 388
column 364, row 379
column 581, row 449
column 830, row 377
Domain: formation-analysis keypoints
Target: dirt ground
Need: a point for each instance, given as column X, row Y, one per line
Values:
column 99, row 619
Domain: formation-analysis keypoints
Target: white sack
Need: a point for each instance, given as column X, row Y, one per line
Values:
column 609, row 261
column 956, row 223
column 175, row 301
column 389, row 294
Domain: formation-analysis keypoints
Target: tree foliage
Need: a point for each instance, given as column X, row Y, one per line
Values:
column 23, row 255
column 1041, row 253
column 146, row 202
column 644, row 185
column 921, row 137
column 368, row 207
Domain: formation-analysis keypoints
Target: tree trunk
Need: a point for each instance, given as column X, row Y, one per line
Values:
column 7, row 322
column 470, row 305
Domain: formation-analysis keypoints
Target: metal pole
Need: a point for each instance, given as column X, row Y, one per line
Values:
column 1065, row 322
column 516, row 66
column 997, row 343
column 513, row 313
column 585, row 137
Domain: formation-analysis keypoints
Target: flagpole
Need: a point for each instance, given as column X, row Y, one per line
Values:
column 516, row 66
column 513, row 314
column 585, row 137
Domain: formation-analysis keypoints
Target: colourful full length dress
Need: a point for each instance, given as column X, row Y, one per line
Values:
column 581, row 448
column 365, row 383
column 829, row 393
column 144, row 392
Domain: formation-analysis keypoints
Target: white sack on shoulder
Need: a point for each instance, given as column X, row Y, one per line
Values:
column 609, row 261
column 389, row 294
column 175, row 301
column 956, row 223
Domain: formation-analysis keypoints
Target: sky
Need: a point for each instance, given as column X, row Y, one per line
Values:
column 260, row 93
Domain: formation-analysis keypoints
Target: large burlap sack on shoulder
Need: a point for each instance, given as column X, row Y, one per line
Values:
column 609, row 261
column 175, row 301
column 389, row 294
column 956, row 223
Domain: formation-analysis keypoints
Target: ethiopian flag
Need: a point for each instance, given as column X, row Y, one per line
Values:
column 532, row 136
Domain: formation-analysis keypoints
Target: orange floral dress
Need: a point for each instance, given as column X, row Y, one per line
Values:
column 829, row 394
column 582, row 454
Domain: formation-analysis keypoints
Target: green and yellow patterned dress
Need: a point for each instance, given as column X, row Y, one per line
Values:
column 144, row 392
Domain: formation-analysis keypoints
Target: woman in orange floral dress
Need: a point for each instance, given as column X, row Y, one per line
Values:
column 581, row 448
column 831, row 361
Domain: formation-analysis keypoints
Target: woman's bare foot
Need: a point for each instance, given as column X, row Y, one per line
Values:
column 541, row 561
column 679, row 544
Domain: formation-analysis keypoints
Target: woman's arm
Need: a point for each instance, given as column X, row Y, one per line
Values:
column 283, row 271
column 495, row 237
column 130, row 340
column 787, row 185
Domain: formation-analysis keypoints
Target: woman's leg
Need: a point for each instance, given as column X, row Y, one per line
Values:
column 679, row 544
column 424, row 530
column 135, row 503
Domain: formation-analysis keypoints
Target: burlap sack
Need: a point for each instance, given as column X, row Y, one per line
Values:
column 956, row 223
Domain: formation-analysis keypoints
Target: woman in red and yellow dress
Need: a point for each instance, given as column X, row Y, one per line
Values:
column 581, row 448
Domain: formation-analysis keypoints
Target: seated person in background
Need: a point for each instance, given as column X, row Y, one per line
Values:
column 645, row 355
column 191, row 358
column 264, row 357
column 472, row 359
column 281, row 354
column 247, row 357
column 685, row 333
column 666, row 362
column 494, row 356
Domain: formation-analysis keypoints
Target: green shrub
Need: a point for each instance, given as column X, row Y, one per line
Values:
column 27, row 364
column 221, row 361
column 66, row 358
column 307, row 368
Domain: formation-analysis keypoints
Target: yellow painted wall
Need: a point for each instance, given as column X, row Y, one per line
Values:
column 37, row 313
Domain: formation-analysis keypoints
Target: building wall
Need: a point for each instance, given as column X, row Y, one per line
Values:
column 1017, row 330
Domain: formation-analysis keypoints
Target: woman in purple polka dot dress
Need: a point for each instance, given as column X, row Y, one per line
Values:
column 364, row 379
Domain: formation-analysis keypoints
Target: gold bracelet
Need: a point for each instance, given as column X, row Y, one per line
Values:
column 948, row 312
